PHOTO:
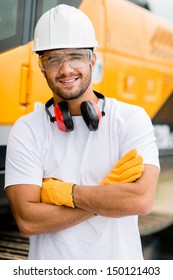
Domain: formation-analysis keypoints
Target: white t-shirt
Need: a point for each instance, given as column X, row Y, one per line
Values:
column 37, row 149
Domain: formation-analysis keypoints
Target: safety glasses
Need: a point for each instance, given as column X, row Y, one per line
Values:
column 77, row 58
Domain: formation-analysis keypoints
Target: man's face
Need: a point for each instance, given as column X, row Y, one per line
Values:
column 68, row 71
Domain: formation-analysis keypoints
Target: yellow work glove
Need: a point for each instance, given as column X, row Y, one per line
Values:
column 57, row 192
column 128, row 169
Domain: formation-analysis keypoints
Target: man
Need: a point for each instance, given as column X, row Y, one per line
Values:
column 83, row 147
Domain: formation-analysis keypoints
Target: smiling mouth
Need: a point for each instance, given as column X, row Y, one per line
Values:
column 68, row 81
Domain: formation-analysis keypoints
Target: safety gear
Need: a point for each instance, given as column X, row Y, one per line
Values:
column 57, row 192
column 76, row 58
column 128, row 169
column 64, row 27
column 89, row 110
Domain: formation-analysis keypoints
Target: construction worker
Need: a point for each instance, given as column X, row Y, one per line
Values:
column 80, row 169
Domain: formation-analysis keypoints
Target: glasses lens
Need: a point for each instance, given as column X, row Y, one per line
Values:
column 75, row 58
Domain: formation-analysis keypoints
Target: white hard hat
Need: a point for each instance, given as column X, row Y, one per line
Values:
column 64, row 27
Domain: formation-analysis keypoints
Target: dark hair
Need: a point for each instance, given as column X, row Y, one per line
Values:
column 39, row 53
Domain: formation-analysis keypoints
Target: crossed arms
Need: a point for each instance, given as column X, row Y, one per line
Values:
column 111, row 200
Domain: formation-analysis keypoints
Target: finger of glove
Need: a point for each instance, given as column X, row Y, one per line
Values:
column 113, row 178
column 132, row 178
column 128, row 156
column 131, row 172
column 129, row 164
column 128, row 161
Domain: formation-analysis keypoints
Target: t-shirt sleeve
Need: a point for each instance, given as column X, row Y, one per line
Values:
column 139, row 133
column 23, row 157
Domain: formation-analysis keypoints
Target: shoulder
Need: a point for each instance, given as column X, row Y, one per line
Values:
column 33, row 116
column 30, row 125
column 124, row 111
column 33, row 119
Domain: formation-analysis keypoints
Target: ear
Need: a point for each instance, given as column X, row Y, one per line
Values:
column 43, row 72
column 93, row 61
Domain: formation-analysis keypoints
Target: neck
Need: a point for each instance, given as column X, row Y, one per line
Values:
column 74, row 104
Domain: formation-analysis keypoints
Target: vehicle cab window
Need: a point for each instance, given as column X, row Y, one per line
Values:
column 10, row 23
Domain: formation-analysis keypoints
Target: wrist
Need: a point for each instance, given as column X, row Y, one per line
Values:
column 82, row 196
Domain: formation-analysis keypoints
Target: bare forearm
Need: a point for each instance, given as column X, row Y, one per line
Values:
column 46, row 218
column 120, row 199
column 108, row 200
column 34, row 217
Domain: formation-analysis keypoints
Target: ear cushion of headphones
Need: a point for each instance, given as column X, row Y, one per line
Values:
column 91, row 114
column 63, row 117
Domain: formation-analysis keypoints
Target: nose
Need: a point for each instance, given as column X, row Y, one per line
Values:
column 65, row 67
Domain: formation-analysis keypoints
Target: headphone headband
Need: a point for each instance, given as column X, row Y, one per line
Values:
column 47, row 105
column 101, row 96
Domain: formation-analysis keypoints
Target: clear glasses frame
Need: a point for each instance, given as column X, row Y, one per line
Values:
column 76, row 58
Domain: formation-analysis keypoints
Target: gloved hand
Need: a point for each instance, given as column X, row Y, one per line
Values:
column 57, row 192
column 128, row 169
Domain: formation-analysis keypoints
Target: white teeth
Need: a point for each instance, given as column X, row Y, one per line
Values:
column 69, row 81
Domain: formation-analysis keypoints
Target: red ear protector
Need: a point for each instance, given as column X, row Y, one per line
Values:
column 89, row 110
